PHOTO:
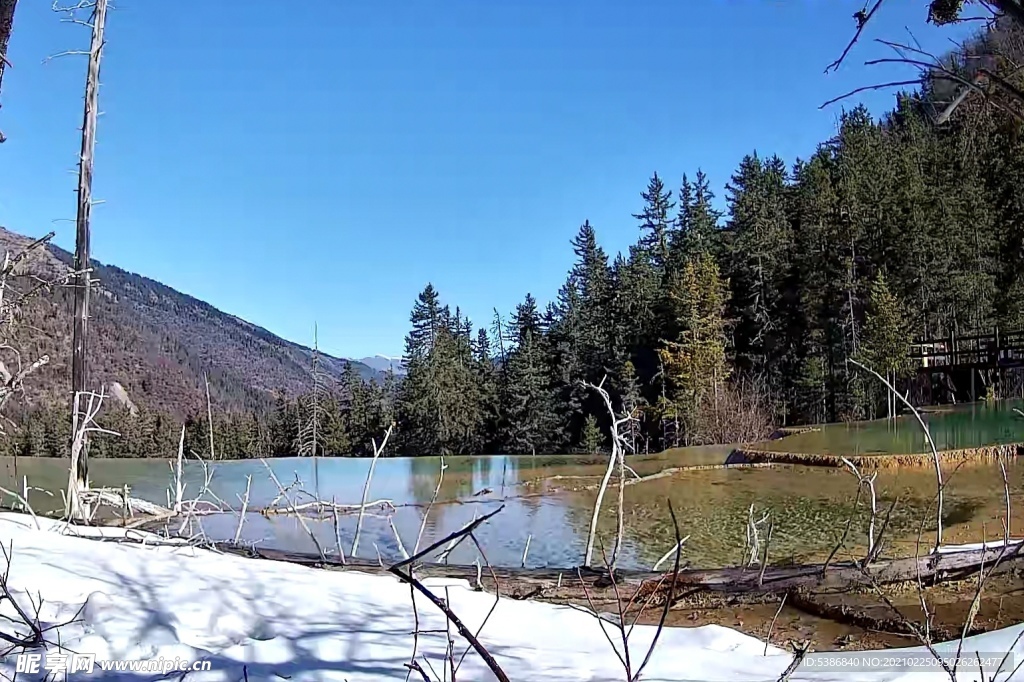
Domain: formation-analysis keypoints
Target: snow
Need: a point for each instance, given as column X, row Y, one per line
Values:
column 266, row 620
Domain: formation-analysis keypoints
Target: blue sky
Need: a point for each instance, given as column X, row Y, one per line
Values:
column 323, row 163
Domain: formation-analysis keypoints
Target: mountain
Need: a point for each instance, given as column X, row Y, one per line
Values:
column 157, row 343
column 383, row 363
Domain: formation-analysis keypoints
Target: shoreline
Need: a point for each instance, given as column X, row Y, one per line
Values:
column 986, row 453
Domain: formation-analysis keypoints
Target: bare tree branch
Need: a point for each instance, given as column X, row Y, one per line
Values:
column 862, row 19
column 928, row 437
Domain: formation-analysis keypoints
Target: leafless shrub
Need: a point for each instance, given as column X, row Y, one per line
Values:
column 867, row 482
column 739, row 413
column 638, row 609
column 24, row 631
column 405, row 571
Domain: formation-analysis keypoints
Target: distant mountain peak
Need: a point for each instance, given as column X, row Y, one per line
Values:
column 383, row 363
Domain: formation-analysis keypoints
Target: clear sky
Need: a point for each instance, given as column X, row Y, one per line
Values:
column 299, row 162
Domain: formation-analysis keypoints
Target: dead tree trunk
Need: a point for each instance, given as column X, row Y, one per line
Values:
column 79, row 373
column 6, row 24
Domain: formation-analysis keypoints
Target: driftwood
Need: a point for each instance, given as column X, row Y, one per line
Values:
column 695, row 587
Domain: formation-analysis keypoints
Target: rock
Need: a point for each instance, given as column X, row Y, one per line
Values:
column 118, row 393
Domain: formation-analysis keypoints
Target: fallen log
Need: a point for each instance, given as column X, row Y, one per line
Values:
column 879, row 618
column 694, row 587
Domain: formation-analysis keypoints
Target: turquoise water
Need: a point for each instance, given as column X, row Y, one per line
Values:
column 965, row 426
column 547, row 500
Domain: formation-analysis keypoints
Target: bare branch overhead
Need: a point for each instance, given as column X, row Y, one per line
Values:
column 862, row 19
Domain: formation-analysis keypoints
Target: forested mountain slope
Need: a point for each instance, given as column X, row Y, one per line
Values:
column 158, row 342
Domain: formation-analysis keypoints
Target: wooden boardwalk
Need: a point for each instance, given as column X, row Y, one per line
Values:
column 962, row 368
column 996, row 350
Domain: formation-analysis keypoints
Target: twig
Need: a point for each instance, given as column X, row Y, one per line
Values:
column 245, row 505
column 866, row 88
column 426, row 512
column 302, row 521
column 526, row 550
column 209, row 414
column 846, row 532
column 414, row 665
column 799, row 652
column 869, row 483
column 668, row 601
column 497, row 596
column 179, row 489
column 398, row 539
column 457, row 535
column 678, row 548
column 771, row 628
column 337, row 534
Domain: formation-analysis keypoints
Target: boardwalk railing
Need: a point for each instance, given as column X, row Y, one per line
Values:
column 999, row 349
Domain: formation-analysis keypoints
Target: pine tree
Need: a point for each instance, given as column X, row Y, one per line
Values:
column 591, row 278
column 697, row 223
column 591, row 439
column 655, row 222
column 530, row 416
column 419, row 409
column 758, row 265
column 440, row 406
column 487, row 379
column 695, row 364
column 886, row 338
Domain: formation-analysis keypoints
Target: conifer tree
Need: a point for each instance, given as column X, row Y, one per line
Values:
column 591, row 438
column 695, row 364
column 656, row 222
column 530, row 418
column 886, row 338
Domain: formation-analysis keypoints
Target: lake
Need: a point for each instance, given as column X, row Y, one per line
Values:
column 548, row 499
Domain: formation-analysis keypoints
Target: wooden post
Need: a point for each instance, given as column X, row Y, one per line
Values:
column 79, row 368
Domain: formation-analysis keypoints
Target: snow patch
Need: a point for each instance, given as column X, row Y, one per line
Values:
column 278, row 620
